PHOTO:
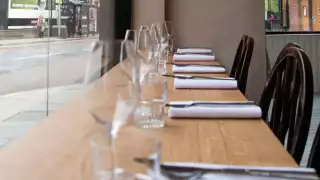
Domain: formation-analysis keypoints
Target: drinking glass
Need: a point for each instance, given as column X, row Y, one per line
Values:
column 144, row 40
column 162, row 67
column 153, row 96
column 137, row 66
column 119, row 158
column 109, row 95
column 105, row 101
column 148, row 47
column 155, row 36
column 163, row 29
column 132, row 66
column 131, row 35
column 170, row 46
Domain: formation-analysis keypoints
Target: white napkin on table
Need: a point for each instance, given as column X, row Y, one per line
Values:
column 194, row 50
column 193, row 57
column 198, row 69
column 205, row 84
column 214, row 111
column 212, row 176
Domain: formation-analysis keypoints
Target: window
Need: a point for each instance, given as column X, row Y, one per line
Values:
column 292, row 15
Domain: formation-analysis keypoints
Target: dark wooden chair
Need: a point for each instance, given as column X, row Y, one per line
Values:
column 314, row 158
column 238, row 55
column 290, row 44
column 242, row 61
column 290, row 85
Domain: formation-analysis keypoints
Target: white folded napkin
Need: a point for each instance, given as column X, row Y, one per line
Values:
column 193, row 57
column 214, row 111
column 198, row 69
column 225, row 176
column 194, row 50
column 205, row 83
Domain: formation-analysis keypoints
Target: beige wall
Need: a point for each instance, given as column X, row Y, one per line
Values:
column 147, row 11
column 219, row 24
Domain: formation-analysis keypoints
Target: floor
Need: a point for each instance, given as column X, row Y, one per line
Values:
column 21, row 111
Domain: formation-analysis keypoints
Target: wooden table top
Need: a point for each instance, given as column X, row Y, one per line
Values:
column 58, row 148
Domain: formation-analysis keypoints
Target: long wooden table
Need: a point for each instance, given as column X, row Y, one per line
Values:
column 58, row 147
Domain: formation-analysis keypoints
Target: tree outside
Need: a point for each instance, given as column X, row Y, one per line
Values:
column 271, row 5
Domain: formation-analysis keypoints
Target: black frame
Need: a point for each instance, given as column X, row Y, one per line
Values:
column 4, row 10
column 123, row 17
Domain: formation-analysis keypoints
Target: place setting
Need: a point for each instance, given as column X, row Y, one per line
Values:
column 182, row 81
column 193, row 57
column 213, row 109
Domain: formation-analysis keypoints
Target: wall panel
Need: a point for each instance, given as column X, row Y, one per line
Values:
column 219, row 24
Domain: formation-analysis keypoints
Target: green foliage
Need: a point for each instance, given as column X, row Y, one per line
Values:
column 274, row 5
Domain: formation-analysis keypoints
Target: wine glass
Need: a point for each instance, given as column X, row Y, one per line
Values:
column 161, row 33
column 155, row 36
column 164, row 29
column 115, row 158
column 147, row 47
column 131, row 35
column 104, row 97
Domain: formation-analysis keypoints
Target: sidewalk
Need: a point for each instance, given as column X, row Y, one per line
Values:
column 21, row 111
column 10, row 42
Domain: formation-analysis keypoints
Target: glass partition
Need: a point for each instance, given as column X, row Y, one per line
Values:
column 23, row 67
column 44, row 46
column 75, row 25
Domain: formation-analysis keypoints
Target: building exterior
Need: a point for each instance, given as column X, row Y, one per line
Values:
column 20, row 14
column 294, row 15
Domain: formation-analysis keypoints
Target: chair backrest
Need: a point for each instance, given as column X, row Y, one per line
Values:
column 290, row 85
column 314, row 158
column 290, row 44
column 237, row 58
column 242, row 76
column 242, row 62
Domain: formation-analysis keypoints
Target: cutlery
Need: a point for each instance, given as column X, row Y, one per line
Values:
column 193, row 172
column 190, row 173
column 188, row 53
column 182, row 65
column 245, row 103
column 195, row 77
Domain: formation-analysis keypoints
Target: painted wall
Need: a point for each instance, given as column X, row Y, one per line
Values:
column 219, row 24
column 146, row 12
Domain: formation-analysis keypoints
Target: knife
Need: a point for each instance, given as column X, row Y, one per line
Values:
column 282, row 174
column 218, row 104
column 171, row 171
column 196, row 77
column 182, row 65
column 188, row 53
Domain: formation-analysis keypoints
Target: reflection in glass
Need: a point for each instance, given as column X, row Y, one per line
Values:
column 292, row 15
